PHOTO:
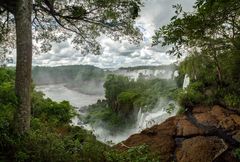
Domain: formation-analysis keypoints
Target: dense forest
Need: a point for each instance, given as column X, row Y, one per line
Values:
column 51, row 138
column 124, row 98
column 89, row 79
column 210, row 36
column 36, row 128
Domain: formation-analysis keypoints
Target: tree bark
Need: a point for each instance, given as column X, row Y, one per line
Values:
column 218, row 67
column 24, row 65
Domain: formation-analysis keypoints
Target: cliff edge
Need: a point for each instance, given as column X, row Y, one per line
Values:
column 204, row 134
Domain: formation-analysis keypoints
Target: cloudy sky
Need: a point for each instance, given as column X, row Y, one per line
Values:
column 154, row 14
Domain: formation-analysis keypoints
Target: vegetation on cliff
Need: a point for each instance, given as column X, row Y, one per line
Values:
column 51, row 138
column 210, row 37
column 124, row 98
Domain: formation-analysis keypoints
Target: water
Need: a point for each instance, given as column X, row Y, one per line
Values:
column 144, row 120
column 146, row 73
column 186, row 81
column 59, row 93
column 155, row 116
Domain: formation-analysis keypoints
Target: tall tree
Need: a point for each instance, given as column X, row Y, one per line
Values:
column 82, row 21
column 212, row 29
column 210, row 35
column 24, row 64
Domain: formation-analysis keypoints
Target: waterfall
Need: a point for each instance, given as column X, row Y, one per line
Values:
column 155, row 116
column 141, row 119
column 186, row 81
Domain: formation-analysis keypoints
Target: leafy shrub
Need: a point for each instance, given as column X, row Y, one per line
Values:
column 72, row 144
column 127, row 97
column 232, row 100
column 134, row 154
column 191, row 96
column 50, row 137
column 6, row 118
column 237, row 153
column 169, row 109
column 7, row 93
column 48, row 110
column 101, row 114
column 6, row 75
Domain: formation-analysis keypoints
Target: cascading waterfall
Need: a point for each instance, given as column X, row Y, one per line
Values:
column 155, row 116
column 186, row 81
column 158, row 114
column 145, row 119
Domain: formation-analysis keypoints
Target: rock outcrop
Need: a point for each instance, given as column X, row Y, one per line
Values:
column 203, row 135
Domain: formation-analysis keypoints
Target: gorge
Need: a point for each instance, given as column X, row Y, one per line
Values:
column 144, row 118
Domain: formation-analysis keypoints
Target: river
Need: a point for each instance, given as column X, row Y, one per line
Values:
column 58, row 92
column 145, row 119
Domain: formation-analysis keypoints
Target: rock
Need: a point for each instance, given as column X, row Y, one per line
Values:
column 166, row 128
column 186, row 128
column 237, row 136
column 201, row 109
column 227, row 156
column 200, row 149
column 236, row 119
column 206, row 119
column 163, row 145
column 178, row 138
column 227, row 123
column 219, row 112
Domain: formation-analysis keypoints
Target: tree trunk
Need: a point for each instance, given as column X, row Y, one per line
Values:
column 219, row 71
column 24, row 65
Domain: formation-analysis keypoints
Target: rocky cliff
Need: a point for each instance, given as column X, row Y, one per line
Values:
column 204, row 134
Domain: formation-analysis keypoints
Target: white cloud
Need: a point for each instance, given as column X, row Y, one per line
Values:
column 154, row 14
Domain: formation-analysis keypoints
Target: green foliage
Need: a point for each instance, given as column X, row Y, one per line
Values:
column 144, row 91
column 170, row 108
column 198, row 67
column 191, row 96
column 200, row 27
column 114, row 85
column 72, row 144
column 51, row 138
column 124, row 97
column 134, row 154
column 6, row 75
column 100, row 114
column 84, row 21
column 211, row 33
column 8, row 103
column 205, row 87
column 127, row 97
column 7, row 92
column 232, row 100
column 48, row 110
column 237, row 153
column 6, row 118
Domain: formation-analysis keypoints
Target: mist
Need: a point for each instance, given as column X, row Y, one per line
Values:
column 86, row 88
column 144, row 120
